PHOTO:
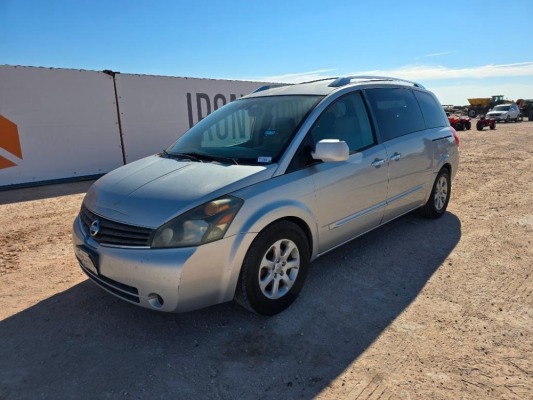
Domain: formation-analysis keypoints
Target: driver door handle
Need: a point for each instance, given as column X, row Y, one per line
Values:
column 378, row 162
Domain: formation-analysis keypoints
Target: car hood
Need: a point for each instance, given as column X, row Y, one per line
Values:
column 153, row 190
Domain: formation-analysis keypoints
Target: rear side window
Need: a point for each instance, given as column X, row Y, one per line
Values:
column 431, row 110
column 396, row 111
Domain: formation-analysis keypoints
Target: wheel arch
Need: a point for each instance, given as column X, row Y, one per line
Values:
column 298, row 221
column 260, row 215
column 444, row 162
column 301, row 224
column 448, row 166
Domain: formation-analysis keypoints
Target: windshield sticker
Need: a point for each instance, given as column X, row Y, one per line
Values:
column 264, row 160
column 270, row 132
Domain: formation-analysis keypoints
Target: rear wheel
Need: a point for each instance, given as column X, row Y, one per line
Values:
column 438, row 200
column 274, row 269
column 479, row 126
column 468, row 125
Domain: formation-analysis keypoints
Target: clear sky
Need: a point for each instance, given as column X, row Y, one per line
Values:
column 457, row 49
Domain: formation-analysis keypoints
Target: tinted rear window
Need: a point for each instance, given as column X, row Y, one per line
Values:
column 431, row 110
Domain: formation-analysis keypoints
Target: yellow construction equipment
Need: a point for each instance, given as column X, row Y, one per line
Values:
column 481, row 105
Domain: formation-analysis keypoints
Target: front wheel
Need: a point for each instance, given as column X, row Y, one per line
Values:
column 438, row 200
column 479, row 126
column 274, row 269
column 493, row 126
column 468, row 125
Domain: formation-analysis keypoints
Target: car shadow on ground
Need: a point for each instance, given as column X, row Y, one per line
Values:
column 84, row 343
column 46, row 191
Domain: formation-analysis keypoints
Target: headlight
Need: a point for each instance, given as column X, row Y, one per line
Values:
column 201, row 225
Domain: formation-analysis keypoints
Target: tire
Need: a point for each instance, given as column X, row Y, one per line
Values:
column 479, row 126
column 468, row 125
column 438, row 200
column 507, row 119
column 274, row 269
column 472, row 113
column 493, row 126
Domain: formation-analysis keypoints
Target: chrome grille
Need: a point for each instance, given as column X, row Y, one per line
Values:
column 115, row 233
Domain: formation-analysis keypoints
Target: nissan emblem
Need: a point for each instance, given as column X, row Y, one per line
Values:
column 94, row 228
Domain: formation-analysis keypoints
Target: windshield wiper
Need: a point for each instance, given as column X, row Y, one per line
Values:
column 200, row 157
column 209, row 157
column 187, row 156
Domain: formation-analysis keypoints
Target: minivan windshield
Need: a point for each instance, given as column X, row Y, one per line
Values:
column 248, row 131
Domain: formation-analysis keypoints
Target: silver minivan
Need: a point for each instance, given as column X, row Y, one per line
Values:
column 240, row 205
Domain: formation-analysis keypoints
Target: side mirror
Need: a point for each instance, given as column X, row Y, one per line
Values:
column 331, row 150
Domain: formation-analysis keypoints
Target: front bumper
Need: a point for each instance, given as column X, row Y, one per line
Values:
column 497, row 117
column 171, row 280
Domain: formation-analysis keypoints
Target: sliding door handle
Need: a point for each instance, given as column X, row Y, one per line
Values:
column 396, row 157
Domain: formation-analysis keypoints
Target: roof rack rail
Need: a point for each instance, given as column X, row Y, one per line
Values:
column 272, row 86
column 320, row 80
column 348, row 79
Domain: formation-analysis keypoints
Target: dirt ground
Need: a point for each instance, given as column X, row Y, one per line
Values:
column 417, row 309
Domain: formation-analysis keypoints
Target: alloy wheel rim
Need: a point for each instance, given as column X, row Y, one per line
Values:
column 279, row 269
column 441, row 193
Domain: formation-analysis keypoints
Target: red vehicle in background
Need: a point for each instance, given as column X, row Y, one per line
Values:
column 459, row 123
column 484, row 121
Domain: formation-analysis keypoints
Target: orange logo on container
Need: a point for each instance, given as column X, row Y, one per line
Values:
column 9, row 140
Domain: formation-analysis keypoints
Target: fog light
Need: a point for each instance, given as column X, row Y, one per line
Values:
column 155, row 300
